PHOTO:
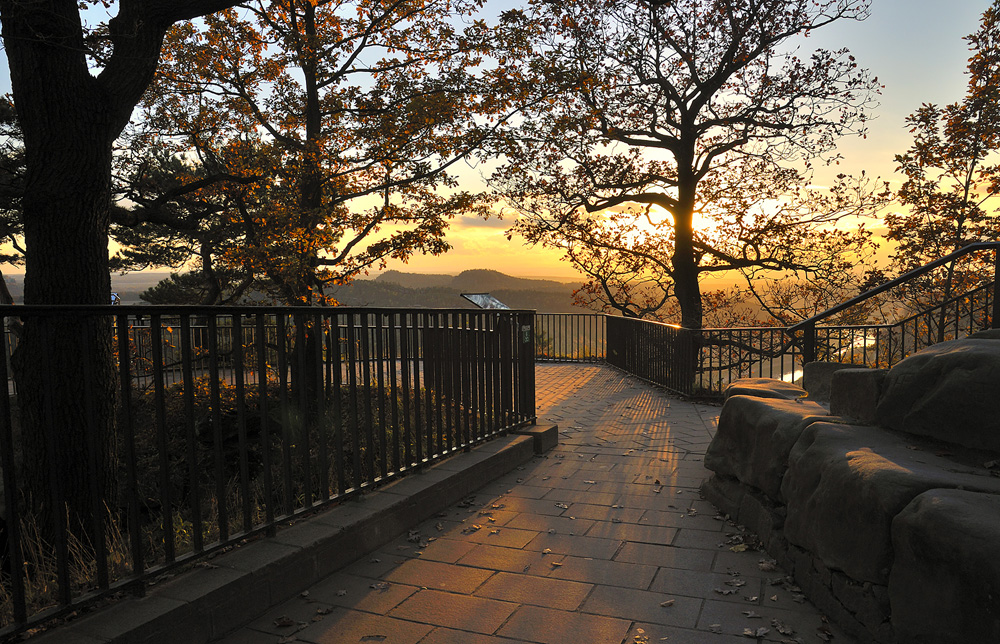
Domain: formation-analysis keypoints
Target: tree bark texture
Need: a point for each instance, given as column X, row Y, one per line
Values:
column 685, row 265
column 65, row 367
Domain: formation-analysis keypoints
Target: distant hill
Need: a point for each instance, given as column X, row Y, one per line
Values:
column 478, row 280
column 396, row 288
column 128, row 287
column 414, row 280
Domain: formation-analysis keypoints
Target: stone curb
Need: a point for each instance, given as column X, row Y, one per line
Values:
column 232, row 589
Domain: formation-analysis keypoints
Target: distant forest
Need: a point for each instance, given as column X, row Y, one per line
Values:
column 389, row 289
column 395, row 288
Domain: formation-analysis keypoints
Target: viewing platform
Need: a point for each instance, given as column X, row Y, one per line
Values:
column 604, row 539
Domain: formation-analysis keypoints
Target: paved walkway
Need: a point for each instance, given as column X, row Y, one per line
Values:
column 605, row 540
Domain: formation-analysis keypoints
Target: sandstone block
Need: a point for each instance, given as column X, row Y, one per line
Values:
column 817, row 377
column 949, row 392
column 854, row 393
column 755, row 436
column 945, row 581
column 846, row 483
column 764, row 388
column 725, row 493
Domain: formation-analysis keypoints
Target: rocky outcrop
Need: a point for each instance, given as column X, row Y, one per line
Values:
column 845, row 485
column 817, row 378
column 755, row 436
column 950, row 391
column 945, row 583
column 855, row 393
column 887, row 513
column 764, row 388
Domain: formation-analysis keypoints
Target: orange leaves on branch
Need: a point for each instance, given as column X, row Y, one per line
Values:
column 352, row 118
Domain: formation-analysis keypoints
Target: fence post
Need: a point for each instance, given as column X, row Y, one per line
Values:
column 526, row 364
column 809, row 343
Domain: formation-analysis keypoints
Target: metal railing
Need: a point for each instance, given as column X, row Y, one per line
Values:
column 703, row 362
column 570, row 337
column 986, row 310
column 232, row 420
column 699, row 363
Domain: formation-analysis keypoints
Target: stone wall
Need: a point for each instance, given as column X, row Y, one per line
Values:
column 890, row 528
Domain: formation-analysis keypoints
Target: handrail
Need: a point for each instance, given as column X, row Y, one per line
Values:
column 965, row 250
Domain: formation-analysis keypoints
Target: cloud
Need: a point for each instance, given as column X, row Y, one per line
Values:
column 470, row 221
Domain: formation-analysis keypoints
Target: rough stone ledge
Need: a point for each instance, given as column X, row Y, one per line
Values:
column 205, row 603
column 862, row 610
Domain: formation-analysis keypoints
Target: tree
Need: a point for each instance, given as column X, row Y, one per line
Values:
column 73, row 99
column 677, row 140
column 11, row 191
column 952, row 176
column 196, row 287
column 180, row 212
column 354, row 115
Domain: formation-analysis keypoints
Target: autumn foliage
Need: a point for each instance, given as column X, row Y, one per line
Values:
column 675, row 140
column 330, row 130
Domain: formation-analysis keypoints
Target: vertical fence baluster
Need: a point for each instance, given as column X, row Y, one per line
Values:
column 440, row 332
column 128, row 432
column 14, row 553
column 381, row 362
column 304, row 410
column 321, row 421
column 166, row 504
column 263, row 408
column 281, row 337
column 98, row 504
column 392, row 360
column 336, row 355
column 190, row 434
column 452, row 367
column 352, row 402
column 241, row 421
column 217, row 436
column 418, row 348
column 364, row 331
column 428, row 382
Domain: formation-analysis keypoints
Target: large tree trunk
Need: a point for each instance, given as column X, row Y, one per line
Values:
column 70, row 118
column 63, row 365
column 685, row 267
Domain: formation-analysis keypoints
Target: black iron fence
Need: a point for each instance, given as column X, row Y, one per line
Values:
column 704, row 362
column 701, row 362
column 570, row 337
column 223, row 423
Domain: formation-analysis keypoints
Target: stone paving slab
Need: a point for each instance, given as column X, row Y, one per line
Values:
column 605, row 539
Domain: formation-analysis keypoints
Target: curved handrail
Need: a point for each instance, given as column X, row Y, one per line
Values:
column 905, row 277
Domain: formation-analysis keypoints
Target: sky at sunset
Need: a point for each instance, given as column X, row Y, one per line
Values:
column 914, row 47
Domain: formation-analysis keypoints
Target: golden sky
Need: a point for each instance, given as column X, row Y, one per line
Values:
column 914, row 47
